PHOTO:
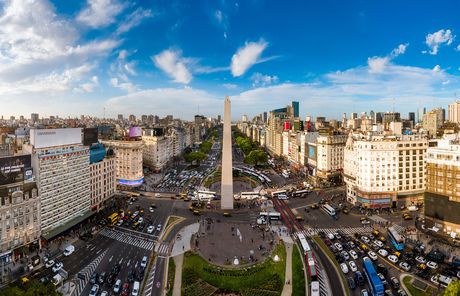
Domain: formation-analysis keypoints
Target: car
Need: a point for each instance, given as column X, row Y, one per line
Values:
column 151, row 210
column 353, row 254
column 144, row 262
column 372, row 255
column 104, row 293
column 327, row 242
column 393, row 259
column 378, row 243
column 150, row 229
column 432, row 265
column 420, row 259
column 338, row 246
column 135, row 290
column 125, row 289
column 434, row 279
column 359, row 279
column 101, row 278
column 314, row 206
column 388, row 293
column 94, row 290
column 330, row 236
column 141, row 219
column 58, row 266
column 119, row 223
column 110, row 279
column 69, row 250
column 382, row 269
column 49, row 263
column 383, row 252
column 365, row 222
column 345, row 255
column 345, row 211
column 344, row 268
column 394, row 282
column 364, row 292
column 351, row 283
column 351, row 243
column 131, row 275
column 382, row 278
column 404, row 265
column 157, row 195
column 401, row 292
column 93, row 278
column 159, row 227
column 365, row 239
column 337, row 236
column 117, row 286
column 353, row 266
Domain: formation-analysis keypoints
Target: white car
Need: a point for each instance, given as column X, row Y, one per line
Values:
column 157, row 195
column 420, row 259
column 344, row 268
column 144, row 262
column 353, row 254
column 434, row 279
column 159, row 227
column 150, row 229
column 58, row 266
column 151, row 210
column 140, row 220
column 94, row 290
column 345, row 255
column 393, row 258
column 372, row 255
column 49, row 263
column 404, row 265
column 378, row 243
column 120, row 222
column 338, row 246
column 353, row 266
column 330, row 236
column 117, row 286
column 383, row 252
column 104, row 293
column 365, row 239
column 432, row 265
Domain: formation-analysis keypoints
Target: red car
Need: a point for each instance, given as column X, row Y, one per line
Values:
column 125, row 289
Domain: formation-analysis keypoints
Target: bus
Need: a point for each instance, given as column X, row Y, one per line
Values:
column 301, row 193
column 329, row 210
column 205, row 195
column 273, row 216
column 395, row 238
column 314, row 288
column 303, row 243
column 276, row 193
column 113, row 219
column 375, row 283
column 249, row 195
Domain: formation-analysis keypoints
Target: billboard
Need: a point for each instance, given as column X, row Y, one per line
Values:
column 15, row 169
column 135, row 131
column 312, row 152
column 90, row 136
column 41, row 138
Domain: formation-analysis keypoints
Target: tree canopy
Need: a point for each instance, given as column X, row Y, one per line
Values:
column 245, row 144
column 196, row 156
column 257, row 157
column 453, row 289
column 32, row 288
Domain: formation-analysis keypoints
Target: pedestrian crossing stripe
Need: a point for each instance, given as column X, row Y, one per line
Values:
column 149, row 284
column 87, row 272
column 128, row 239
column 348, row 231
column 163, row 249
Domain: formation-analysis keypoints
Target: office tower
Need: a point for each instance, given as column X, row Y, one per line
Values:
column 34, row 117
column 120, row 117
column 61, row 165
column 454, row 112
column 295, row 108
column 244, row 118
column 420, row 112
column 227, row 172
column 412, row 117
column 433, row 121
column 132, row 118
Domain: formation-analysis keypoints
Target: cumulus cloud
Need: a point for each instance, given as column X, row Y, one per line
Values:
column 437, row 39
column 246, row 56
column 123, row 85
column 436, row 69
column 259, row 79
column 378, row 64
column 458, row 48
column 100, row 13
column 134, row 19
column 174, row 65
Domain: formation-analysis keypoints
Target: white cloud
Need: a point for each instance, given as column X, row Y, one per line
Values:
column 378, row 64
column 436, row 69
column 89, row 86
column 219, row 16
column 258, row 79
column 247, row 56
column 458, row 48
column 401, row 49
column 437, row 39
column 100, row 13
column 134, row 19
column 126, row 86
column 230, row 86
column 174, row 65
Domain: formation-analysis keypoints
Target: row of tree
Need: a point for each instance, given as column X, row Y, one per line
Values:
column 198, row 156
column 32, row 288
column 253, row 154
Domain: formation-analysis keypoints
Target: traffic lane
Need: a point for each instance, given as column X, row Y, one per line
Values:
column 317, row 218
column 158, row 279
column 331, row 272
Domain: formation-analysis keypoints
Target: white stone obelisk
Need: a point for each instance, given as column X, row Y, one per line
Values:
column 226, row 190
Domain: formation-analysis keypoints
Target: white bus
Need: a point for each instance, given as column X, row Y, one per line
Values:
column 329, row 210
column 282, row 196
column 301, row 193
column 314, row 288
column 273, row 216
column 205, row 195
column 276, row 193
column 303, row 243
column 249, row 195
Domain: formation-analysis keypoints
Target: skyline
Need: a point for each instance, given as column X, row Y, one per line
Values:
column 77, row 58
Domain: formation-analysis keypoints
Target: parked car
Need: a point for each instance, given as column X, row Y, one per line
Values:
column 144, row 262
column 338, row 246
column 420, row 259
column 150, row 229
column 94, row 290
column 351, row 283
column 353, row 254
column 69, row 250
column 394, row 282
column 117, row 286
column 365, row 239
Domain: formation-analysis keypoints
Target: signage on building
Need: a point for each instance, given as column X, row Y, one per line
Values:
column 90, row 136
column 135, row 131
column 41, row 138
column 13, row 168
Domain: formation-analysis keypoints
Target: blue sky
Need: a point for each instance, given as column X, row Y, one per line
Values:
column 177, row 57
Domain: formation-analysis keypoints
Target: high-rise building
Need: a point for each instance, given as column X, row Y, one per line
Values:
column 420, row 112
column 244, row 118
column 120, row 117
column 330, row 150
column 454, row 112
column 132, row 118
column 433, row 121
column 102, row 176
column 442, row 195
column 412, row 118
column 144, row 119
column 61, row 165
column 157, row 149
column 381, row 171
column 389, row 117
column 34, row 117
column 19, row 210
column 295, row 108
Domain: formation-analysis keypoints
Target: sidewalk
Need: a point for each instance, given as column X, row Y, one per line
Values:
column 182, row 239
column 287, row 289
column 178, row 260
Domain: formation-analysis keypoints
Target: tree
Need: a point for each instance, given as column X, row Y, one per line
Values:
column 205, row 147
column 33, row 288
column 453, row 289
column 197, row 157
column 257, row 157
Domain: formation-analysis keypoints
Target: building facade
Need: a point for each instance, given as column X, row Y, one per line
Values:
column 102, row 177
column 330, row 154
column 454, row 112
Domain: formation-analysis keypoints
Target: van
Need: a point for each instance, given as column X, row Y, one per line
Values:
column 117, row 286
column 69, row 250
column 135, row 290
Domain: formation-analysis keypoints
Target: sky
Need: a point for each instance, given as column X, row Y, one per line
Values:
column 109, row 57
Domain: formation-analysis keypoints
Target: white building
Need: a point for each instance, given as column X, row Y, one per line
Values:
column 102, row 181
column 382, row 170
column 61, row 166
column 454, row 112
column 330, row 154
column 157, row 150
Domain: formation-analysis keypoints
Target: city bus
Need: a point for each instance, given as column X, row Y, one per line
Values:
column 276, row 193
column 249, row 195
column 273, row 216
column 396, row 238
column 113, row 219
column 329, row 210
column 375, row 283
column 205, row 195
column 303, row 243
column 301, row 193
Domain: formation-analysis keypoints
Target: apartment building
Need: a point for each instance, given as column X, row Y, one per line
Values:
column 381, row 171
column 102, row 170
column 330, row 147
column 442, row 196
column 61, row 165
column 157, row 149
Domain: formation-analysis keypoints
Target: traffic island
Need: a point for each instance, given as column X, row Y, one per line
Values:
column 199, row 277
column 416, row 287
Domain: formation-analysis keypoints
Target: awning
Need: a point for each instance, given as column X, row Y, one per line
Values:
column 58, row 230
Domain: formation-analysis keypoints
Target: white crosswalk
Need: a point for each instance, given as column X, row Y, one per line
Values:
column 87, row 271
column 378, row 219
column 127, row 238
column 348, row 230
column 323, row 285
column 400, row 229
column 163, row 250
column 149, row 282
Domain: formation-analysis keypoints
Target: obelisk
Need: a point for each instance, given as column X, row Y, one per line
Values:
column 226, row 190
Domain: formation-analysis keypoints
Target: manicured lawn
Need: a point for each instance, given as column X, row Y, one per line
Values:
column 171, row 275
column 266, row 278
column 414, row 291
column 298, row 277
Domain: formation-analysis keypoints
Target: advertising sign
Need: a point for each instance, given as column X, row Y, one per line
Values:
column 90, row 136
column 135, row 131
column 312, row 152
column 13, row 168
column 41, row 138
